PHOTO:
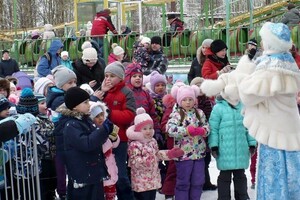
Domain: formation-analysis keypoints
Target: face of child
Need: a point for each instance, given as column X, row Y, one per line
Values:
column 146, row 45
column 147, row 131
column 43, row 108
column 137, row 80
column 187, row 103
column 222, row 53
column 98, row 120
column 83, row 107
column 160, row 88
column 4, row 113
column 120, row 57
column 13, row 90
column 64, row 57
column 71, row 83
column 3, row 91
column 111, row 79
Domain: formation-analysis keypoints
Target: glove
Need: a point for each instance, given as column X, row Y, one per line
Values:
column 193, row 131
column 252, row 53
column 176, row 152
column 24, row 122
column 225, row 69
column 108, row 125
column 252, row 150
column 113, row 136
column 215, row 152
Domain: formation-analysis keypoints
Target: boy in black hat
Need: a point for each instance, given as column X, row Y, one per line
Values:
column 83, row 142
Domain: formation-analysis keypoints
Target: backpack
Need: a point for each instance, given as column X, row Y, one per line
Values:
column 48, row 56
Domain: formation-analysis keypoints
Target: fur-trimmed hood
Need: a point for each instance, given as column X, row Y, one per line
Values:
column 136, row 135
column 62, row 109
column 103, row 107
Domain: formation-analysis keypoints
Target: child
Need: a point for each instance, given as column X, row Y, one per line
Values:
column 117, row 54
column 188, row 126
column 41, row 86
column 231, row 145
column 65, row 60
column 144, row 155
column 119, row 99
column 98, row 114
column 64, row 80
column 4, row 107
column 4, row 87
column 83, row 154
column 141, row 54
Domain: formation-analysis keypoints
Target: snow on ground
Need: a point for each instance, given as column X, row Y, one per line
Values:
column 212, row 195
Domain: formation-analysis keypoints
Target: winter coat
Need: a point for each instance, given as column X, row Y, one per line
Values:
column 43, row 67
column 176, row 26
column 8, row 67
column 110, row 161
column 112, row 58
column 67, row 63
column 230, row 136
column 101, row 25
column 205, row 104
column 85, row 74
column 141, row 56
column 121, row 104
column 212, row 64
column 195, row 70
column 159, row 62
column 168, row 102
column 83, row 142
column 55, row 98
column 269, row 96
column 194, row 147
column 291, row 17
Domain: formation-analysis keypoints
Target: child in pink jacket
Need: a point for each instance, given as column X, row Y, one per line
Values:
column 98, row 114
column 144, row 156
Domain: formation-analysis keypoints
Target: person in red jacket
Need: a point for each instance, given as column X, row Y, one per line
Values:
column 101, row 25
column 217, row 61
column 295, row 55
column 121, row 103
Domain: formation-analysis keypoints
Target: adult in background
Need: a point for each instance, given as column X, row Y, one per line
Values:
column 216, row 62
column 176, row 25
column 46, row 64
column 197, row 64
column 292, row 16
column 8, row 66
column 159, row 62
column 88, row 69
column 125, row 30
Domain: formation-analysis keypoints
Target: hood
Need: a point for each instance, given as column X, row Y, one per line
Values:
column 136, row 136
column 55, row 46
column 102, row 105
column 222, row 99
column 68, row 113
column 53, row 93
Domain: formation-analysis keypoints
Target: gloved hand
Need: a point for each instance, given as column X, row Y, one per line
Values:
column 195, row 131
column 108, row 125
column 252, row 150
column 176, row 152
column 215, row 152
column 24, row 122
column 225, row 69
column 252, row 53
column 113, row 136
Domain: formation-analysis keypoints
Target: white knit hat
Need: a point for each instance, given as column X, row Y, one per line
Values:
column 64, row 53
column 89, row 54
column 86, row 44
column 118, row 50
column 40, row 85
column 142, row 119
column 146, row 40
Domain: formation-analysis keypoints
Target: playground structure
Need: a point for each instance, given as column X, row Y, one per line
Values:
column 236, row 32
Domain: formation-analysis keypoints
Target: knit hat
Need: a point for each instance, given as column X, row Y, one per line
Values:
column 155, row 78
column 75, row 96
column 156, row 40
column 40, row 97
column 179, row 93
column 141, row 119
column 146, row 40
column 5, row 84
column 217, row 45
column 131, row 69
column 64, row 53
column 276, row 37
column 4, row 103
column 117, row 50
column 62, row 75
column 207, row 42
column 28, row 103
column 86, row 44
column 97, row 108
column 253, row 42
column 48, row 27
column 89, row 54
column 116, row 68
column 197, row 81
column 41, row 84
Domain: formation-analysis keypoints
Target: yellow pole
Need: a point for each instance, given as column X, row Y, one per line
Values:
column 105, row 4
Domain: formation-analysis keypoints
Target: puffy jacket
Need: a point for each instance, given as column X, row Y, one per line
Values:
column 230, row 136
column 101, row 25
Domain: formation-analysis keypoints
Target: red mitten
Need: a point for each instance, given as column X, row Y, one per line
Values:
column 195, row 131
column 176, row 152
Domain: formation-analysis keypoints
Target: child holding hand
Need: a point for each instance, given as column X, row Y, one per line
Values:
column 144, row 155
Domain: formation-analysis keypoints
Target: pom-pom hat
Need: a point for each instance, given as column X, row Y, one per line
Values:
column 89, row 55
column 28, row 103
column 181, row 92
column 142, row 119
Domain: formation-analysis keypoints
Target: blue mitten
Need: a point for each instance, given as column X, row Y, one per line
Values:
column 108, row 125
column 24, row 122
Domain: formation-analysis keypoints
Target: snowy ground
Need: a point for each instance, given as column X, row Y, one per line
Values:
column 212, row 195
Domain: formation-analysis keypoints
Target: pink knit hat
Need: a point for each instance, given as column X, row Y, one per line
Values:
column 142, row 119
column 181, row 92
column 155, row 78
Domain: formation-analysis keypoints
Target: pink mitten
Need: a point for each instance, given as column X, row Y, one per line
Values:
column 176, row 152
column 195, row 131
